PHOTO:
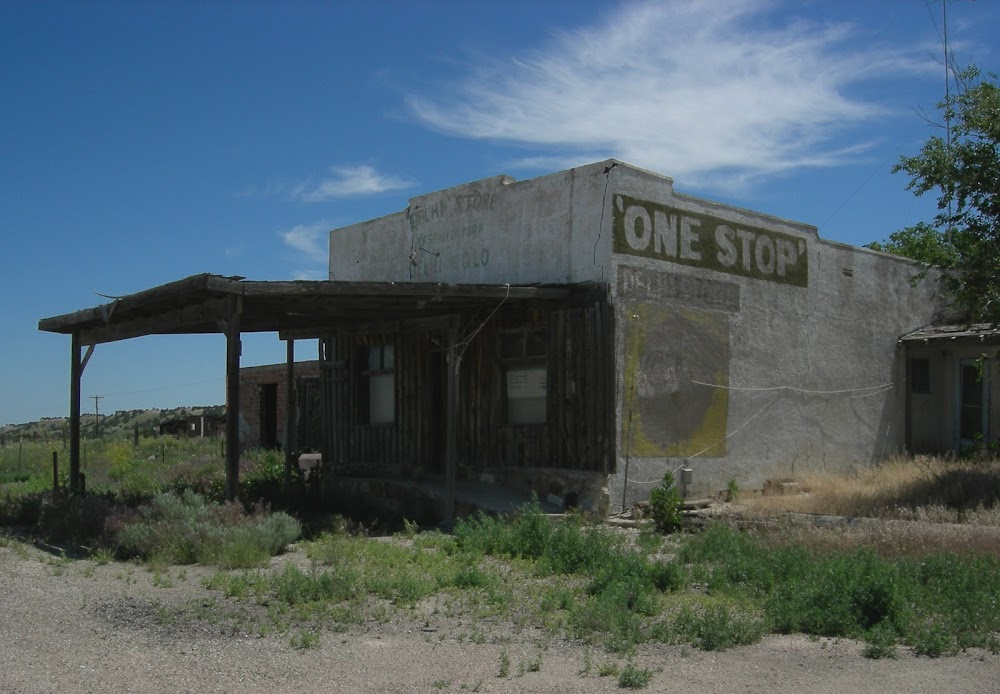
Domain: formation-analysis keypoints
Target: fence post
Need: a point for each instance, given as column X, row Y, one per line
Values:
column 55, row 471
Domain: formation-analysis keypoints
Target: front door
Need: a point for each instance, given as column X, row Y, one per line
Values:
column 973, row 405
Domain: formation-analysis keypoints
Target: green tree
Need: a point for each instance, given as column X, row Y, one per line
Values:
column 963, row 242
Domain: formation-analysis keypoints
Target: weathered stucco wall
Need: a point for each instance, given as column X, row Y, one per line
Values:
column 745, row 346
column 496, row 230
column 748, row 348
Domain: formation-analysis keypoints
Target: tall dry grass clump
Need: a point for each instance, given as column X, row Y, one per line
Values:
column 922, row 488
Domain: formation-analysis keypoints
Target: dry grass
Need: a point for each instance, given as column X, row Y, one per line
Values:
column 888, row 538
column 922, row 488
column 905, row 507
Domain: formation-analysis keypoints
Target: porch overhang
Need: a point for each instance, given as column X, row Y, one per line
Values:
column 978, row 332
column 202, row 304
column 209, row 303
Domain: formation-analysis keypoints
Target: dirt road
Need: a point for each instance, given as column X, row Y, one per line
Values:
column 76, row 626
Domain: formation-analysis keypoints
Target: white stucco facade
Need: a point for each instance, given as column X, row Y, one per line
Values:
column 746, row 347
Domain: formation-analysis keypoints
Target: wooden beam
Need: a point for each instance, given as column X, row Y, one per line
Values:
column 75, row 374
column 172, row 292
column 290, row 428
column 233, row 398
column 86, row 358
column 202, row 317
column 451, row 423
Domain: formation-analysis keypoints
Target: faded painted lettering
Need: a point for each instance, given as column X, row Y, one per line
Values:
column 638, row 284
column 472, row 260
column 638, row 230
column 665, row 233
column 651, row 230
column 449, row 206
column 689, row 239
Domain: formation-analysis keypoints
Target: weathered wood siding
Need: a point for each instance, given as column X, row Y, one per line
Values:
column 577, row 433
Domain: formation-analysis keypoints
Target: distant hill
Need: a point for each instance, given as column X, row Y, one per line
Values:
column 121, row 423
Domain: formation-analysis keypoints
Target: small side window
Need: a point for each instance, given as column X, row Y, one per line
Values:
column 920, row 375
column 523, row 354
column 526, row 395
column 376, row 385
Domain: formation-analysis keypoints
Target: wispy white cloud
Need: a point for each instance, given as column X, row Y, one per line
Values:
column 707, row 91
column 348, row 181
column 310, row 240
column 310, row 275
column 267, row 190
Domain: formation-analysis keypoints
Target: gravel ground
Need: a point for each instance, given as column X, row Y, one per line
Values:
column 76, row 626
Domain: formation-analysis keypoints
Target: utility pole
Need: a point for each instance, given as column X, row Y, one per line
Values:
column 97, row 414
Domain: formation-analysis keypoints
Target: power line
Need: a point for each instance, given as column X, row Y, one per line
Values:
column 156, row 388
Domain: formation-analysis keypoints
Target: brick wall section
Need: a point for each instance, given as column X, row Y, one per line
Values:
column 252, row 380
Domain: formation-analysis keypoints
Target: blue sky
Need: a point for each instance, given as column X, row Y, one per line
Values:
column 142, row 142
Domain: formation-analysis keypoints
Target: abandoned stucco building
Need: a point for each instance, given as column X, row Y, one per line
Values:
column 580, row 334
column 736, row 344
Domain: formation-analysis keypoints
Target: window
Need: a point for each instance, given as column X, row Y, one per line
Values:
column 526, row 395
column 376, row 385
column 523, row 353
column 920, row 375
column 524, row 344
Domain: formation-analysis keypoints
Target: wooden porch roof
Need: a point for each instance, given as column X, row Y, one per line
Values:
column 203, row 303
column 232, row 305
column 981, row 332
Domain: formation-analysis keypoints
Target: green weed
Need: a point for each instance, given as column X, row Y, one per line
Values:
column 186, row 529
column 718, row 628
column 608, row 668
column 880, row 642
column 665, row 505
column 305, row 640
column 633, row 677
column 503, row 666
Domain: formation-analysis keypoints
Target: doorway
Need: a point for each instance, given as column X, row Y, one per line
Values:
column 973, row 410
column 269, row 415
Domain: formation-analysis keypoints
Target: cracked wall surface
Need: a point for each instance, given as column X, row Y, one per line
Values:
column 746, row 347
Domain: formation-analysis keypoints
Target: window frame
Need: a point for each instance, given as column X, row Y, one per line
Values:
column 524, row 348
column 365, row 376
column 920, row 381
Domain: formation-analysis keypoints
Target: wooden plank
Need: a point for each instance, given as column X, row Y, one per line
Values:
column 197, row 318
column 197, row 289
column 76, row 372
column 69, row 322
column 233, row 400
column 451, row 424
column 290, row 428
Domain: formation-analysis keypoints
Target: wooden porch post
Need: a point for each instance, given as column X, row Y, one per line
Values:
column 451, row 426
column 290, row 428
column 75, row 374
column 233, row 398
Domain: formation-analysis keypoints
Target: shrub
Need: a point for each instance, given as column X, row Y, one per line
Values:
column 266, row 476
column 186, row 529
column 717, row 628
column 633, row 677
column 665, row 505
column 78, row 518
column 293, row 586
column 880, row 642
column 932, row 640
column 841, row 595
